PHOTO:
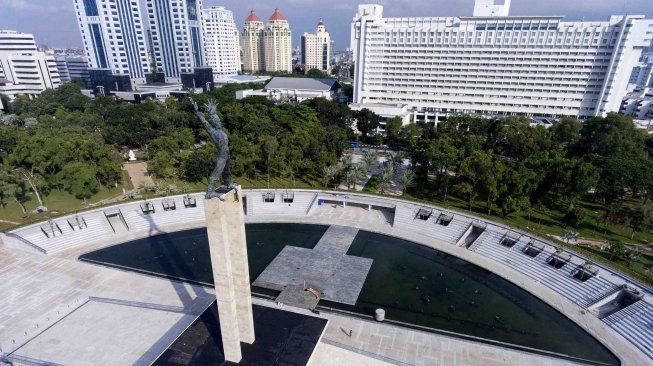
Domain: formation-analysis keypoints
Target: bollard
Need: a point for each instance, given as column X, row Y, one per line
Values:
column 379, row 315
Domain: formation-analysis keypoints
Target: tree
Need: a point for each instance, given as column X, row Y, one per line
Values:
column 163, row 165
column 34, row 180
column 631, row 256
column 569, row 235
column 616, row 249
column 393, row 129
column 369, row 160
column 13, row 186
column 316, row 73
column 407, row 180
column 80, row 180
column 198, row 164
column 350, row 178
column 367, row 122
column 270, row 146
column 475, row 169
column 567, row 131
column 330, row 172
column 385, row 177
column 640, row 219
column 443, row 156
column 396, row 159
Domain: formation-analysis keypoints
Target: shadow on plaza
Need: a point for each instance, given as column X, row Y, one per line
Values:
column 177, row 267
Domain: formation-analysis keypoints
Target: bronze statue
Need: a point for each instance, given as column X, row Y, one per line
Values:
column 221, row 140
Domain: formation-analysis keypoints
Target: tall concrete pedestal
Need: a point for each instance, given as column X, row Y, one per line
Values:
column 225, row 224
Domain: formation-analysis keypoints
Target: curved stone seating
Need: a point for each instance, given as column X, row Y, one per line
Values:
column 406, row 219
column 560, row 280
column 296, row 204
column 635, row 323
column 157, row 221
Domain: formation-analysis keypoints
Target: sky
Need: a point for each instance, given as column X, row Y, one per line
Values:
column 53, row 22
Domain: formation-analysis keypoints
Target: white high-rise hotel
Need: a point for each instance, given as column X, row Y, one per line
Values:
column 114, row 37
column 222, row 46
column 176, row 35
column 492, row 63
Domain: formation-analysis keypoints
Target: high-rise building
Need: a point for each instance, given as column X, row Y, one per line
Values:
column 176, row 35
column 221, row 41
column 253, row 56
column 62, row 68
column 277, row 44
column 114, row 37
column 316, row 49
column 492, row 63
column 24, row 69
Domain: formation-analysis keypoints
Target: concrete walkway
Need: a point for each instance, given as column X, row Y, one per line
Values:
column 337, row 239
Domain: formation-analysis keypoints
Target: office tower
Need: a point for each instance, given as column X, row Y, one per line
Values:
column 24, row 69
column 277, row 44
column 492, row 64
column 62, row 68
column 316, row 49
column 114, row 38
column 221, row 41
column 176, row 36
column 253, row 56
column 77, row 68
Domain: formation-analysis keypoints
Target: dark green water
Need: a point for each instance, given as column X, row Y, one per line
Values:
column 185, row 255
column 414, row 284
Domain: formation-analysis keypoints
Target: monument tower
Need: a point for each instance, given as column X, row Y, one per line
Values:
column 225, row 225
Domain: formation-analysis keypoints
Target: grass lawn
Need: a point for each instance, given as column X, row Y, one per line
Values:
column 58, row 203
column 372, row 185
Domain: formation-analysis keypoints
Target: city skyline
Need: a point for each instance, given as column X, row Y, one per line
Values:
column 35, row 16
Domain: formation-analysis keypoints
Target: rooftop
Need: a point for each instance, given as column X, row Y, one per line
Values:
column 277, row 15
column 253, row 17
column 302, row 83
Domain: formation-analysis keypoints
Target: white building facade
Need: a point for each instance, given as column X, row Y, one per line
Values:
column 316, row 49
column 253, row 54
column 495, row 64
column 24, row 69
column 277, row 44
column 177, row 42
column 221, row 41
column 114, row 37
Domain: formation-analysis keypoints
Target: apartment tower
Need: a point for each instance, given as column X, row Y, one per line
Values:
column 114, row 37
column 177, row 43
column 316, row 49
column 277, row 40
column 221, row 41
column 253, row 58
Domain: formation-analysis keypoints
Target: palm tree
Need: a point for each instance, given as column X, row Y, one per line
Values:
column 350, row 178
column 407, row 180
column 369, row 159
column 330, row 172
column 569, row 235
column 385, row 177
column 395, row 158
column 631, row 256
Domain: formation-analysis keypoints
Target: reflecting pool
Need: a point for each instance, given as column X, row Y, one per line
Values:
column 413, row 284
